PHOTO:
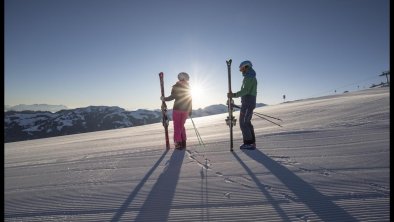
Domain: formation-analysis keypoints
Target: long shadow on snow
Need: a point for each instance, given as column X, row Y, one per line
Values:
column 116, row 217
column 157, row 205
column 263, row 189
column 133, row 194
column 307, row 194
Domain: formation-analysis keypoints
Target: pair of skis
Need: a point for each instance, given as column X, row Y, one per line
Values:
column 164, row 119
column 230, row 121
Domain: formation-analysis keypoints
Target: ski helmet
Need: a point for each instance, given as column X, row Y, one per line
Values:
column 245, row 63
column 183, row 76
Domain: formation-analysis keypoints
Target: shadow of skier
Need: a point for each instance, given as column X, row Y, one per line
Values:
column 157, row 205
column 263, row 189
column 320, row 204
column 133, row 194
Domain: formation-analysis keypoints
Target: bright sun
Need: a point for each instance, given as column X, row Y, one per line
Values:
column 196, row 91
column 199, row 88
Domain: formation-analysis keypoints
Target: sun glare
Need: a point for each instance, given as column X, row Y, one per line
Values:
column 200, row 89
column 196, row 91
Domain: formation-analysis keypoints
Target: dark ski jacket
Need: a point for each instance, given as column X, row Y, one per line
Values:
column 183, row 99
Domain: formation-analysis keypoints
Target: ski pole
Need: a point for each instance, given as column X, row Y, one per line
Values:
column 268, row 116
column 197, row 133
column 256, row 113
column 199, row 137
column 200, row 142
column 267, row 119
column 262, row 116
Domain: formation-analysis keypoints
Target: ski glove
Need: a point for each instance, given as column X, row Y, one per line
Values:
column 162, row 98
column 231, row 95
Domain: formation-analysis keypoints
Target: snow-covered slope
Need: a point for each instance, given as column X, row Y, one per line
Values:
column 329, row 162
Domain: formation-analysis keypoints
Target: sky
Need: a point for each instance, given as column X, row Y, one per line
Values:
column 110, row 52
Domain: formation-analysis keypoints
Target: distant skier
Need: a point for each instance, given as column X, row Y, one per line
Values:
column 182, row 108
column 248, row 95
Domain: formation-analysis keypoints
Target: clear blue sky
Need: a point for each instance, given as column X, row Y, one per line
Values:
column 109, row 52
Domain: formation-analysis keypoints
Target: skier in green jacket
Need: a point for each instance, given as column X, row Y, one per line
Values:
column 248, row 95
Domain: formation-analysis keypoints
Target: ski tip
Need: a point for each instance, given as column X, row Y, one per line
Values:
column 161, row 74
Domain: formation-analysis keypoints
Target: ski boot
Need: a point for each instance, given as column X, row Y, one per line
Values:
column 248, row 146
column 184, row 144
column 179, row 146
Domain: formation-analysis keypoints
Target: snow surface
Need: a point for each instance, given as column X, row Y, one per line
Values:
column 329, row 162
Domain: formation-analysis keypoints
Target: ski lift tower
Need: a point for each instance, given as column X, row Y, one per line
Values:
column 387, row 73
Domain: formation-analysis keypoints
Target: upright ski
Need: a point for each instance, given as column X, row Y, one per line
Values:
column 230, row 102
column 165, row 119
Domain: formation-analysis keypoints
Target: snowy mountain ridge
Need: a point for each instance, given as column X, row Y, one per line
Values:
column 26, row 125
column 35, row 107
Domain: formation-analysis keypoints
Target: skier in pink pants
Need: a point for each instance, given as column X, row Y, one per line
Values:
column 182, row 108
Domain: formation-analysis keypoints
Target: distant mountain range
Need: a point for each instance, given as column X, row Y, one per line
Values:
column 29, row 124
column 35, row 107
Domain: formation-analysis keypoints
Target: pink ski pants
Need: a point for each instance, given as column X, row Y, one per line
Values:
column 179, row 119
